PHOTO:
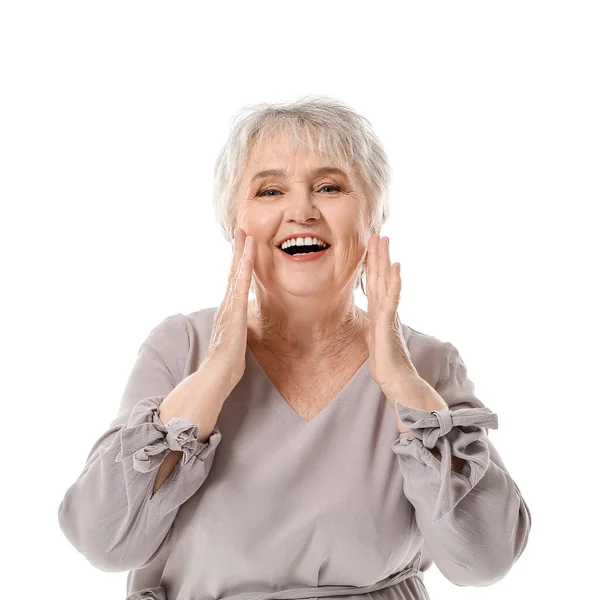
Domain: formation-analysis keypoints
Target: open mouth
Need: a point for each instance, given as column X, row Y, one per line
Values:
column 305, row 249
column 303, row 245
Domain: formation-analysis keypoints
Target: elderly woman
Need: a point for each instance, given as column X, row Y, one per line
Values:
column 295, row 445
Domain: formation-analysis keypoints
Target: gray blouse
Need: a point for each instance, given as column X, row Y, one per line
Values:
column 275, row 506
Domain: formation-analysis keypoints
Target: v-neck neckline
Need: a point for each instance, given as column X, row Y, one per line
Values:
column 287, row 406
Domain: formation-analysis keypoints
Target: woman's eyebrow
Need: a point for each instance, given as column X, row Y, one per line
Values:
column 282, row 173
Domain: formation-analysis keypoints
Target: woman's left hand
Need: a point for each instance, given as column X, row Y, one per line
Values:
column 389, row 359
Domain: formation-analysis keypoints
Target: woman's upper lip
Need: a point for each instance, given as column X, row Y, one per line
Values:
column 303, row 235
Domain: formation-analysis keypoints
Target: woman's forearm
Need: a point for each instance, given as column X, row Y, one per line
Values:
column 199, row 398
column 414, row 391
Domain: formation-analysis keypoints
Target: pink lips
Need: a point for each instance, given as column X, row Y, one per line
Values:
column 305, row 257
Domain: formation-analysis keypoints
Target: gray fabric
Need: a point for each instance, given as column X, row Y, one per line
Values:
column 274, row 506
column 430, row 429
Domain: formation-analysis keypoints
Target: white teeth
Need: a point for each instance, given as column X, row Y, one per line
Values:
column 307, row 241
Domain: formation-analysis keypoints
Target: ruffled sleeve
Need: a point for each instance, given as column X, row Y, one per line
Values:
column 454, row 433
column 148, row 441
column 475, row 523
column 110, row 513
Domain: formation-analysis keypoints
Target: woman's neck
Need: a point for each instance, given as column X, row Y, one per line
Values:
column 313, row 334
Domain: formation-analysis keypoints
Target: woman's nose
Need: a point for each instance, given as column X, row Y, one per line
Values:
column 301, row 205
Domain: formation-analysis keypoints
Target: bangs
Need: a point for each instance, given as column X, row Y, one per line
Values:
column 298, row 135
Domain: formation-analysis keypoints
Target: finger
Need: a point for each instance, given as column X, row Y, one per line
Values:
column 238, row 247
column 383, row 268
column 371, row 271
column 394, row 286
column 246, row 270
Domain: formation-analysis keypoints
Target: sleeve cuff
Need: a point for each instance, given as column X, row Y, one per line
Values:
column 156, row 593
column 148, row 440
column 453, row 433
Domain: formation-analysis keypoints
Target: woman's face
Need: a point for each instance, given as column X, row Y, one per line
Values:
column 302, row 201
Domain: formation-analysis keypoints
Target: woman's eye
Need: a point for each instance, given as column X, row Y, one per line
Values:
column 262, row 192
column 336, row 187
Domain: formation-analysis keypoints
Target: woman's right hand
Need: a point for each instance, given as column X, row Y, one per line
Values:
column 228, row 340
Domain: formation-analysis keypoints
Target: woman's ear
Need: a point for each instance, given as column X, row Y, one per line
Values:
column 363, row 268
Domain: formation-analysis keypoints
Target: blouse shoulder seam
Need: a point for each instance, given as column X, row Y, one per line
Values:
column 187, row 327
column 444, row 360
column 173, row 318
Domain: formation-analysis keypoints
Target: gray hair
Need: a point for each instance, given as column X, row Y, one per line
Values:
column 341, row 133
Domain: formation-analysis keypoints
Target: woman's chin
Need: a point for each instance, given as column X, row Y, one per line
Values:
column 302, row 286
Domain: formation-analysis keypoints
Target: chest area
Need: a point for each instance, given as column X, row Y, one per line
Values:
column 308, row 395
column 309, row 388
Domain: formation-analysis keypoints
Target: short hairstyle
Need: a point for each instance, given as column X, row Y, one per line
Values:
column 340, row 132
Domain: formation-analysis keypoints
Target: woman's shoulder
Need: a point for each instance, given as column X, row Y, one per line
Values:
column 419, row 337
column 178, row 326
column 201, row 321
column 426, row 351
column 176, row 333
column 182, row 339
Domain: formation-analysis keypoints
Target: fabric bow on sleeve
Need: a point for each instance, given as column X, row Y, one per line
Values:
column 453, row 433
column 149, row 441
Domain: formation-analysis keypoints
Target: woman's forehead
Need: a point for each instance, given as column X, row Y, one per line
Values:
column 273, row 160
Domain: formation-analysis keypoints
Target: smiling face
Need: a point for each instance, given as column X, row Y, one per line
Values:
column 305, row 200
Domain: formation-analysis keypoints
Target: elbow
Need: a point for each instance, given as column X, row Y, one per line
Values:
column 486, row 573
column 476, row 574
column 85, row 535
column 500, row 546
column 491, row 563
column 113, row 562
column 105, row 562
column 497, row 561
column 79, row 532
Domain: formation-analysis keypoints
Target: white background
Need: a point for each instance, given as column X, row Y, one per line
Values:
column 112, row 116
